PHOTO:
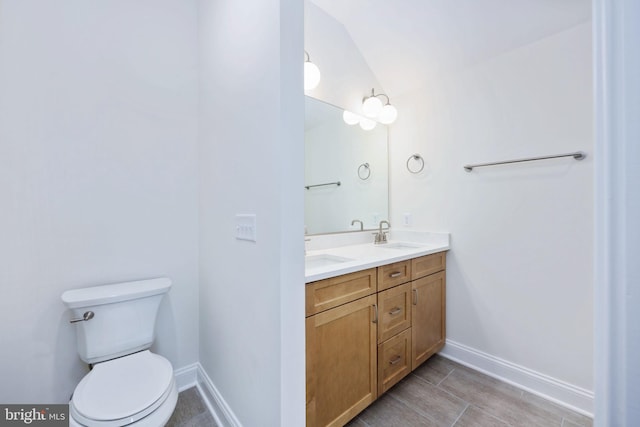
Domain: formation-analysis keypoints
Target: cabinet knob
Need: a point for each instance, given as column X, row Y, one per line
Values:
column 395, row 274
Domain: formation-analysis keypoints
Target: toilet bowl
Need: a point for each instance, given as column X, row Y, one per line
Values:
column 135, row 390
column 128, row 384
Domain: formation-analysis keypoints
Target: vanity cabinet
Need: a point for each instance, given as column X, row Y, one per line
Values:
column 367, row 330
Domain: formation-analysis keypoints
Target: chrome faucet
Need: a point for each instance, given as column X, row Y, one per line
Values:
column 381, row 236
column 361, row 224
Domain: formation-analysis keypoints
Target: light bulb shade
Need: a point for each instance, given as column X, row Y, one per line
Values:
column 388, row 114
column 367, row 124
column 311, row 75
column 371, row 106
column 350, row 118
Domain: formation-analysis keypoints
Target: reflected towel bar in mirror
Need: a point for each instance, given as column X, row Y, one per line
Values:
column 322, row 185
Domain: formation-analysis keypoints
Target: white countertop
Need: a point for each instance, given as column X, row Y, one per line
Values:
column 361, row 256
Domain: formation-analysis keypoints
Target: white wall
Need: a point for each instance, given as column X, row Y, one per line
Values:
column 346, row 76
column 98, row 175
column 617, row 213
column 519, row 275
column 251, row 161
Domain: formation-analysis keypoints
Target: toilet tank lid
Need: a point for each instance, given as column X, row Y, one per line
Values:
column 107, row 294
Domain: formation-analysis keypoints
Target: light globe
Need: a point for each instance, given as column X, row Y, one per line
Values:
column 372, row 106
column 367, row 124
column 311, row 75
column 350, row 118
column 388, row 114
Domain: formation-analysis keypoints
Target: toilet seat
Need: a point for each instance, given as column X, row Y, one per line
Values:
column 122, row 391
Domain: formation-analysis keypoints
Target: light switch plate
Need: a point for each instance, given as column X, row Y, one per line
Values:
column 246, row 227
column 406, row 219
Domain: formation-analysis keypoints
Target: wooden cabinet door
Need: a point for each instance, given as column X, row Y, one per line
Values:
column 341, row 349
column 427, row 317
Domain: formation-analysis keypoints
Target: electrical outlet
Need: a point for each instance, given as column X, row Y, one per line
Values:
column 246, row 227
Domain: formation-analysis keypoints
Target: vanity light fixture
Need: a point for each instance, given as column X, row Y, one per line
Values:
column 371, row 105
column 374, row 112
column 356, row 119
column 373, row 108
column 351, row 118
column 367, row 124
column 311, row 73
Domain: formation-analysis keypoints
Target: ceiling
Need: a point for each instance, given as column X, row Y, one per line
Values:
column 407, row 43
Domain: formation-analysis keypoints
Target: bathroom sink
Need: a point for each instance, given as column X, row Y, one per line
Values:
column 400, row 245
column 323, row 260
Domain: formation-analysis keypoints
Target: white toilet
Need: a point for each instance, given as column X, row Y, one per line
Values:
column 128, row 385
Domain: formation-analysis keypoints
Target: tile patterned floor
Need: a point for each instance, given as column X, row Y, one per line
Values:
column 191, row 411
column 440, row 393
column 445, row 394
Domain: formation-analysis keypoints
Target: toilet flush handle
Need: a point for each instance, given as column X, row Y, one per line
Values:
column 88, row 315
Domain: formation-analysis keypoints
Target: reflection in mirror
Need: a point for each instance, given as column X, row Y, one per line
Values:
column 353, row 163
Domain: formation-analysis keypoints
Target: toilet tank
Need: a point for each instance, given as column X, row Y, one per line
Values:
column 124, row 317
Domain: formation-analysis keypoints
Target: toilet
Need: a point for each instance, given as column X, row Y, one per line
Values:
column 128, row 385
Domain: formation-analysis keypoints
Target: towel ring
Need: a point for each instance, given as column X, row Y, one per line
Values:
column 364, row 171
column 416, row 157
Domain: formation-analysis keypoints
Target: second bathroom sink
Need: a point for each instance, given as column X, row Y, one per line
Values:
column 323, row 260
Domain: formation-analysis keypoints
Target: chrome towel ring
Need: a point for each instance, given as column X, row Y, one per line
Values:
column 417, row 158
column 364, row 171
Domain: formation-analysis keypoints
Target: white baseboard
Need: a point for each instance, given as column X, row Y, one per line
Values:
column 560, row 392
column 195, row 376
column 186, row 377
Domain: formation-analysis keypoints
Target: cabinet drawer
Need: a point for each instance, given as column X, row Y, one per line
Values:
column 394, row 360
column 325, row 294
column 394, row 311
column 428, row 264
column 394, row 274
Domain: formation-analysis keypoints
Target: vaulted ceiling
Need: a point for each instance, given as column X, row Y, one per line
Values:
column 408, row 43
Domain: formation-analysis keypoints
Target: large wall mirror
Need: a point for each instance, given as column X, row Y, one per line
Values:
column 346, row 172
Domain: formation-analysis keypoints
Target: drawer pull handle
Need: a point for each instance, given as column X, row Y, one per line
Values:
column 395, row 311
column 395, row 360
column 395, row 274
column 375, row 313
column 415, row 297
